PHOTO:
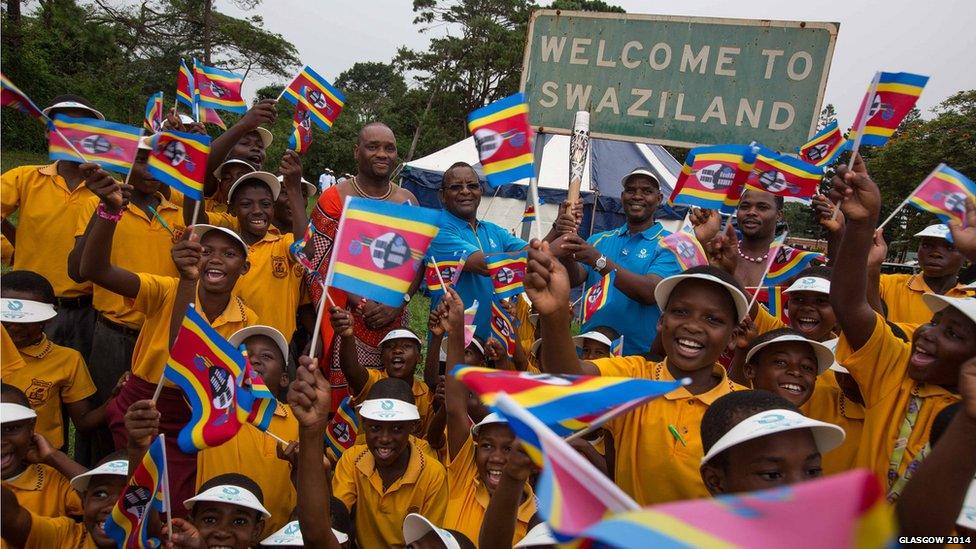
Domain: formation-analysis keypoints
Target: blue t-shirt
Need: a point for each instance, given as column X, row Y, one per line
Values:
column 457, row 239
column 641, row 254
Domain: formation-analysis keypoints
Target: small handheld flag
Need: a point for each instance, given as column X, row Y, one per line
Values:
column 597, row 295
column 254, row 398
column 218, row 89
column 340, row 435
column 708, row 174
column 379, row 247
column 825, row 147
column 111, row 145
column 448, row 269
column 617, row 347
column 788, row 262
column 784, row 175
column 503, row 328
column 11, row 96
column 685, row 246
column 128, row 522
column 889, row 99
column 154, row 113
column 774, row 302
column 301, row 135
column 185, row 85
column 504, row 140
column 325, row 100
column 179, row 160
column 469, row 327
column 528, row 216
column 210, row 116
column 507, row 273
column 944, row 193
column 774, row 250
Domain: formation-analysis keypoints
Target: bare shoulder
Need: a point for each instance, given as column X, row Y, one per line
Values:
column 403, row 196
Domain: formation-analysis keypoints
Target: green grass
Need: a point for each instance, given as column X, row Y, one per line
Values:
column 11, row 159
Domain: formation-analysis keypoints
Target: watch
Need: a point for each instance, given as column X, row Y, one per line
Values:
column 406, row 298
column 601, row 263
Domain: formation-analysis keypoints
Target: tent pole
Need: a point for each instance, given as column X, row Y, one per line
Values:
column 596, row 202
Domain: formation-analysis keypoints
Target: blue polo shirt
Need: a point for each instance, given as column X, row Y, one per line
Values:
column 457, row 239
column 642, row 254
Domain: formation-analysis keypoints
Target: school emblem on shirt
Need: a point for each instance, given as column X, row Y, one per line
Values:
column 37, row 391
column 177, row 233
column 279, row 266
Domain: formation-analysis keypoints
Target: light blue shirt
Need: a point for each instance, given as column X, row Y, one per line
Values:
column 641, row 254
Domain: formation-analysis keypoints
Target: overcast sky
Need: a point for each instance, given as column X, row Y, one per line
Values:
column 933, row 38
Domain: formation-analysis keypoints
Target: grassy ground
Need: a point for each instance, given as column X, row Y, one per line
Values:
column 11, row 159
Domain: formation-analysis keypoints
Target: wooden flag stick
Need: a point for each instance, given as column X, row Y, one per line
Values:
column 166, row 500
column 318, row 320
column 440, row 278
column 276, row 437
column 769, row 264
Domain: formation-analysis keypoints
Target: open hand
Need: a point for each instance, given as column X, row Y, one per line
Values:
column 964, row 237
column 858, row 195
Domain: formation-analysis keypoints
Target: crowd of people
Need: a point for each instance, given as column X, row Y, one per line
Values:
column 864, row 370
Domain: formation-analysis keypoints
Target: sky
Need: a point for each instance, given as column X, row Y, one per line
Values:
column 932, row 38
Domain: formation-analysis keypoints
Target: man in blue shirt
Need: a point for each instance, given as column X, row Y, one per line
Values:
column 635, row 253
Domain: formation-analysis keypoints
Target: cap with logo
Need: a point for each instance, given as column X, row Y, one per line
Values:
column 399, row 334
column 25, row 311
column 594, row 336
column 826, row 436
column 641, row 171
column 268, row 178
column 227, row 493
column 202, row 228
column 240, row 336
column 388, row 409
column 965, row 305
column 936, row 231
column 490, row 419
column 815, row 284
column 417, row 526
column 664, row 288
column 290, row 535
column 118, row 467
column 11, row 411
column 823, row 353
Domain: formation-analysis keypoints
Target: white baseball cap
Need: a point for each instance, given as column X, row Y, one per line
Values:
column 270, row 179
column 825, row 356
column 145, row 143
column 832, row 345
column 965, row 305
column 291, row 535
column 595, row 336
column 72, row 105
column 312, row 189
column 118, row 467
column 388, row 409
column 477, row 343
column 399, row 334
column 540, row 535
column 238, row 337
column 11, row 411
column 664, row 288
column 24, row 311
column 226, row 493
column 417, row 526
column 826, row 436
column 490, row 419
column 186, row 119
column 936, row 231
column 231, row 162
column 202, row 229
column 641, row 171
column 266, row 136
column 816, row 284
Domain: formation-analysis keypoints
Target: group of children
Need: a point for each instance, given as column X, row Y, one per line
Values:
column 867, row 368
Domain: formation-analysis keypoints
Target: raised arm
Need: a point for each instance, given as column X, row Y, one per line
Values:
column 291, row 171
column 42, row 452
column 638, row 287
column 501, row 515
column 264, row 111
column 860, row 201
column 15, row 521
column 432, row 364
column 879, row 250
column 355, row 372
column 964, row 237
column 458, row 425
column 96, row 259
column 141, row 427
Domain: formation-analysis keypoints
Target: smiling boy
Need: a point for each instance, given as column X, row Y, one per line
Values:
column 787, row 364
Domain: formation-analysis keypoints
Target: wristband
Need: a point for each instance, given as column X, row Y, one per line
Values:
column 103, row 213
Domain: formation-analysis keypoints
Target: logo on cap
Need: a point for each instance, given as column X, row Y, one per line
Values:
column 386, row 404
column 15, row 305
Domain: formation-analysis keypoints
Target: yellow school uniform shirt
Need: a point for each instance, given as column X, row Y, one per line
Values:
column 50, row 375
column 422, row 397
column 272, row 286
column 224, row 219
column 155, row 300
column 6, row 250
column 651, row 465
column 61, row 532
column 44, row 201
column 380, row 511
column 880, row 368
column 254, row 454
column 469, row 498
column 902, row 293
column 766, row 322
column 142, row 245
column 43, row 490
column 829, row 404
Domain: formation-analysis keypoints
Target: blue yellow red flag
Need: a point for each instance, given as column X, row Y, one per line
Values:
column 179, row 159
column 788, row 262
column 11, row 96
column 469, row 326
column 128, row 522
column 685, row 246
column 111, row 145
column 944, row 193
column 734, row 195
column 507, row 273
column 340, row 435
column 255, row 401
column 210, row 372
column 504, row 140
column 597, row 295
column 825, row 147
column 889, row 98
column 301, row 134
column 450, row 270
column 154, row 113
column 528, row 216
column 185, row 85
column 708, row 174
column 503, row 327
column 774, row 302
column 617, row 347
column 218, row 89
column 784, row 175
column 210, row 116
column 325, row 100
column 379, row 247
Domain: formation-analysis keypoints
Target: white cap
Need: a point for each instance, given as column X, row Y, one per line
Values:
column 595, row 336
column 417, row 526
column 399, row 334
column 477, row 343
column 145, row 143
column 388, row 409
column 641, row 171
column 935, row 231
column 312, row 189
column 826, row 436
column 23, row 311
column 816, row 284
column 664, row 288
column 825, row 357
column 832, row 345
column 185, row 119
column 540, row 535
column 11, row 411
column 291, row 535
column 965, row 305
column 226, row 493
column 72, row 105
column 266, row 136
column 241, row 335
column 490, row 419
column 534, row 349
column 232, row 161
column 118, row 467
column 202, row 229
column 267, row 177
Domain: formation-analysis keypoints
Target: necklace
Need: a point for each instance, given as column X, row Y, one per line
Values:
column 355, row 185
column 752, row 259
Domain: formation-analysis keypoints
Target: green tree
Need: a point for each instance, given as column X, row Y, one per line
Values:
column 585, row 5
column 827, row 115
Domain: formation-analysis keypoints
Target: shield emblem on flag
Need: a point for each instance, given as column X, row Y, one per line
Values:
column 96, row 144
column 488, row 142
column 773, row 181
column 389, row 251
column 818, row 151
column 317, row 99
column 136, row 499
column 175, row 152
column 954, row 202
column 595, row 295
column 501, row 327
column 341, row 432
column 686, row 250
column 716, row 176
column 306, row 121
column 223, row 389
column 217, row 90
column 505, row 275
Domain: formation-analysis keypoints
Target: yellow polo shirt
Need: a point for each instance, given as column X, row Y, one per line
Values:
column 902, row 293
column 469, row 498
column 273, row 285
column 422, row 397
column 45, row 226
column 652, row 466
column 155, row 300
column 142, row 245
column 43, row 490
column 380, row 511
column 828, row 403
column 50, row 375
column 766, row 322
column 253, row 453
column 6, row 250
column 880, row 368
column 223, row 219
column 62, row 532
